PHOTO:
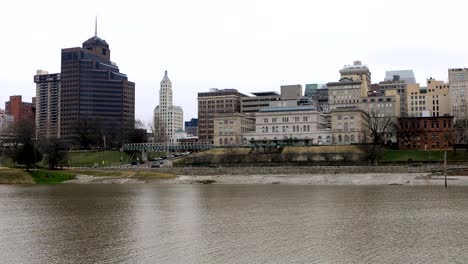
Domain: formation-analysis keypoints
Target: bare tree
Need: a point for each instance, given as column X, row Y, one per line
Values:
column 406, row 132
column 461, row 130
column 378, row 127
column 150, row 126
column 159, row 131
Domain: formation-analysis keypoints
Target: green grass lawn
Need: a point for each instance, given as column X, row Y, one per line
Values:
column 51, row 177
column 91, row 158
column 423, row 155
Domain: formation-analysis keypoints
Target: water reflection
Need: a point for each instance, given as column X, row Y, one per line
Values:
column 232, row 224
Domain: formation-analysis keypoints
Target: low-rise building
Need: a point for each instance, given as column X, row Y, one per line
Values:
column 433, row 132
column 229, row 128
column 299, row 125
column 348, row 125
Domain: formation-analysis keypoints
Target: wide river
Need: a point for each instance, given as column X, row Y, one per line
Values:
column 150, row 223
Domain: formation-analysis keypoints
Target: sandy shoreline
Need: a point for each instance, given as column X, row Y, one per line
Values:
column 411, row 179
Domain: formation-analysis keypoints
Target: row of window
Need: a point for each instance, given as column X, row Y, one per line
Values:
column 285, row 119
column 285, row 129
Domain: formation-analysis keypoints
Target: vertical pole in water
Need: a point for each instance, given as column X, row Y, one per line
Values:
column 445, row 168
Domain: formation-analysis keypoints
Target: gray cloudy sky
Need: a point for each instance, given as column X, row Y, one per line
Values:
column 250, row 45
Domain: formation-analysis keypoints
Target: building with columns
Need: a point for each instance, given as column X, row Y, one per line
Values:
column 168, row 118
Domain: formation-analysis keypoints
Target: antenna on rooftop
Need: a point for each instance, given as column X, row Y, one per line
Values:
column 95, row 27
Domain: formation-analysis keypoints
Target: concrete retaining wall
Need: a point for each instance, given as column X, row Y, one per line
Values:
column 300, row 170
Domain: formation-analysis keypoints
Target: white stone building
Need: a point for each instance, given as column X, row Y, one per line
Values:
column 168, row 118
column 299, row 125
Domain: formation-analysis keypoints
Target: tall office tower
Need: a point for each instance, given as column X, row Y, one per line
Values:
column 94, row 91
column 458, row 81
column 47, row 104
column 404, row 75
column 168, row 118
column 215, row 101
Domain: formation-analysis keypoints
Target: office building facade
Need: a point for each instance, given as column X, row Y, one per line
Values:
column 93, row 90
column 215, row 101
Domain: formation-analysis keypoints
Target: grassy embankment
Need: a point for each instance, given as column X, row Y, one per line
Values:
column 423, row 156
column 96, row 158
column 110, row 158
column 20, row 176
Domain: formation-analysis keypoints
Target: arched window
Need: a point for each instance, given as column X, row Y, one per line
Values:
column 319, row 139
column 346, row 139
column 328, row 139
column 352, row 138
column 220, row 141
column 294, row 128
column 340, row 139
column 304, row 128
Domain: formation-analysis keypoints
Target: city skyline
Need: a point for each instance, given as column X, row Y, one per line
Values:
column 217, row 44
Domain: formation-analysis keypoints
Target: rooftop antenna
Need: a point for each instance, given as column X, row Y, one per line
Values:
column 95, row 27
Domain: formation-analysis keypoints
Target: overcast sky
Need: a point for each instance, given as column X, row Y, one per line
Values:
column 250, row 45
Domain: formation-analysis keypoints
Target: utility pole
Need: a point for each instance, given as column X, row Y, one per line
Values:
column 445, row 168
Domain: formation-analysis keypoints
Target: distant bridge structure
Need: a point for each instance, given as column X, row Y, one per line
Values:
column 159, row 147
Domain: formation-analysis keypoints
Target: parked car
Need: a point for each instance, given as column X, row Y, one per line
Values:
column 156, row 165
column 134, row 163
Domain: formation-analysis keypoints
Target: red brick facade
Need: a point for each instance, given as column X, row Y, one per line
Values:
column 426, row 132
column 19, row 109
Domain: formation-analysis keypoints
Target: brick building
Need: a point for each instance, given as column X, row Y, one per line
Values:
column 21, row 110
column 215, row 101
column 434, row 132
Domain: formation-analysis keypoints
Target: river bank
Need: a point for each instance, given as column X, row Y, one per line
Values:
column 367, row 179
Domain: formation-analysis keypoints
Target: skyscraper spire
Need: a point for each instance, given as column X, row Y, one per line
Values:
column 95, row 27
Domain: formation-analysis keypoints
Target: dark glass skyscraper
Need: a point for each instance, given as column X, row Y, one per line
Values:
column 94, row 92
